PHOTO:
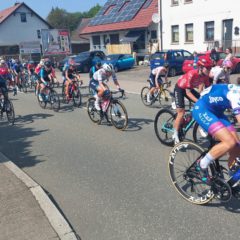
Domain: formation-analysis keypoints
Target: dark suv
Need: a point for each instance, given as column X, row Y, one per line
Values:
column 84, row 60
column 174, row 58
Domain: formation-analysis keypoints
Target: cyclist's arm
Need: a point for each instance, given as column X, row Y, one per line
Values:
column 200, row 87
column 190, row 95
column 114, row 77
column 42, row 77
column 66, row 75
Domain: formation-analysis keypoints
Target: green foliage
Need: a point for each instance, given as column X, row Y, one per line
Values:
column 60, row 18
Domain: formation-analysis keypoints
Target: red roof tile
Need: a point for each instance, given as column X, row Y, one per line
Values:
column 142, row 20
column 8, row 11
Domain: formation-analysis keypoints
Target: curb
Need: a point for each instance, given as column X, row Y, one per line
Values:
column 55, row 218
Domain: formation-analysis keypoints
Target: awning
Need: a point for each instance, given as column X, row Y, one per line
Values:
column 131, row 36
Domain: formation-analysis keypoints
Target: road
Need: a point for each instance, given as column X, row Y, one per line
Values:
column 109, row 184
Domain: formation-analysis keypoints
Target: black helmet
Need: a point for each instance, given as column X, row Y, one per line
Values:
column 47, row 64
column 166, row 64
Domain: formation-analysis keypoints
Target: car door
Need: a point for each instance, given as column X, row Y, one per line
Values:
column 129, row 61
column 121, row 62
column 178, row 60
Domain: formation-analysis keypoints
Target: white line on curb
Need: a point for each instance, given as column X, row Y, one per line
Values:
column 55, row 218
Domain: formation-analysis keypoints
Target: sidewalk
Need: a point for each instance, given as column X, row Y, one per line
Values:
column 26, row 211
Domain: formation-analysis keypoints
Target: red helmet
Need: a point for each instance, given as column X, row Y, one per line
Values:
column 204, row 63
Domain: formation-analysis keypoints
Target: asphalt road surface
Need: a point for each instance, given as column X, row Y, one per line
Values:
column 110, row 184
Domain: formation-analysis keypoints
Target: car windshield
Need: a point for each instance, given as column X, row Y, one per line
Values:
column 159, row 55
column 83, row 55
column 112, row 57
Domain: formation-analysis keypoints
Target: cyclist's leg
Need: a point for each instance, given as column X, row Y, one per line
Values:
column 152, row 87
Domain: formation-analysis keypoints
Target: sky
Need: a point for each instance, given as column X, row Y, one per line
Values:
column 43, row 7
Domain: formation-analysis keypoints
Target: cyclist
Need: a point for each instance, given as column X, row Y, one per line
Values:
column 197, row 78
column 156, row 80
column 44, row 78
column 96, row 83
column 30, row 68
column 93, row 69
column 17, row 71
column 209, row 113
column 70, row 74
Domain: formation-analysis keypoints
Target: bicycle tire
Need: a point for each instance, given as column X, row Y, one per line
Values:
column 93, row 113
column 42, row 104
column 77, row 98
column 54, row 100
column 144, row 92
column 201, row 137
column 118, row 115
column 189, row 187
column 164, row 98
column 163, row 126
column 10, row 112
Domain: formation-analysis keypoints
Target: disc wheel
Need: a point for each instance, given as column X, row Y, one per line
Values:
column 181, row 160
column 93, row 113
column 118, row 115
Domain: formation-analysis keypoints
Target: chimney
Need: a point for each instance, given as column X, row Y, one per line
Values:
column 16, row 3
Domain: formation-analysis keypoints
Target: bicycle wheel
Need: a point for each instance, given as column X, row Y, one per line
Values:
column 54, row 100
column 93, row 113
column 118, row 115
column 163, row 126
column 181, row 159
column 164, row 97
column 144, row 92
column 201, row 137
column 42, row 102
column 77, row 98
column 10, row 112
column 24, row 85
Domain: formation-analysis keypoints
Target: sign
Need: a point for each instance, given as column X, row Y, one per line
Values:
column 29, row 47
column 55, row 41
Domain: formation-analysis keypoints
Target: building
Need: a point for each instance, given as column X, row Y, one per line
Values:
column 121, row 23
column 19, row 23
column 200, row 24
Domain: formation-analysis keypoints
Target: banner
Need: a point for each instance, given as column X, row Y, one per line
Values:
column 55, row 41
column 29, row 47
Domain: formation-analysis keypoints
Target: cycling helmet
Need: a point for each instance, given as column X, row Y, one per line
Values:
column 47, row 64
column 204, row 63
column 227, row 64
column 98, row 64
column 166, row 65
column 2, row 61
column 108, row 67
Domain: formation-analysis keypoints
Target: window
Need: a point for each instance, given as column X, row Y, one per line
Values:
column 23, row 17
column 187, row 54
column 189, row 32
column 114, row 38
column 38, row 34
column 175, row 2
column 178, row 55
column 124, row 6
column 96, row 40
column 188, row 1
column 175, row 34
column 209, row 31
column 147, row 4
column 108, row 10
column 154, row 34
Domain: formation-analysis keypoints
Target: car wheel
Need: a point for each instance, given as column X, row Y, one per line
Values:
column 85, row 69
column 237, row 69
column 172, row 72
column 116, row 69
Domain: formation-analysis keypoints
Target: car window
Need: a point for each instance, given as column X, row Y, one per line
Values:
column 222, row 55
column 187, row 54
column 99, row 54
column 159, row 55
column 178, row 55
column 83, row 56
column 112, row 57
column 97, row 59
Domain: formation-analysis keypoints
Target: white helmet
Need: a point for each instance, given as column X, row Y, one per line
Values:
column 108, row 67
column 2, row 61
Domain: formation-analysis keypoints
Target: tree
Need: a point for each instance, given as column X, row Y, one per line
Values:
column 60, row 18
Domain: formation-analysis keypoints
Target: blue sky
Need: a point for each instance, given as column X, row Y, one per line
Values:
column 43, row 7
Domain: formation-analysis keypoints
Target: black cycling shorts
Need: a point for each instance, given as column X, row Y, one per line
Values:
column 180, row 93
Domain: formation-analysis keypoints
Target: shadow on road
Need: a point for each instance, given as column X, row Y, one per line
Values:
column 15, row 143
column 136, row 124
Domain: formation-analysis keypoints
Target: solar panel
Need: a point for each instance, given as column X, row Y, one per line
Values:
column 112, row 12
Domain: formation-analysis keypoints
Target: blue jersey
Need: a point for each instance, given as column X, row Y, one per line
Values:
column 220, row 97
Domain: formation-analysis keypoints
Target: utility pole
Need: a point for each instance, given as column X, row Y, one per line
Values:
column 160, row 43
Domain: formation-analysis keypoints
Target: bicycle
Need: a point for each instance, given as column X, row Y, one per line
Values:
column 51, row 98
column 73, row 92
column 163, row 127
column 162, row 95
column 111, row 107
column 187, row 182
column 6, row 106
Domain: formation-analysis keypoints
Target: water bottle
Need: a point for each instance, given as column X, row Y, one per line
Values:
column 234, row 172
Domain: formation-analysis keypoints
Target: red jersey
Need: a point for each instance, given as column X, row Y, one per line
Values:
column 30, row 66
column 192, row 79
column 38, row 69
column 4, row 71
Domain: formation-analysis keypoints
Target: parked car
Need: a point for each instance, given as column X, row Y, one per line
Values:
column 174, row 58
column 120, row 61
column 85, row 60
column 188, row 64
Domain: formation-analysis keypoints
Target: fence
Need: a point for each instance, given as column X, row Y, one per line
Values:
column 119, row 48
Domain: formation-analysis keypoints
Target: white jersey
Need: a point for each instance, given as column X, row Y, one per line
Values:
column 101, row 75
column 217, row 73
column 160, row 69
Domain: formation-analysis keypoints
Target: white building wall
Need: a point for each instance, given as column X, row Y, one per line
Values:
column 13, row 31
column 198, row 12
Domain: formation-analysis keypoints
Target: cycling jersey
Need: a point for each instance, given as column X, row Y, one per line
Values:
column 192, row 79
column 209, row 109
column 44, row 74
column 217, row 74
column 17, row 67
column 71, row 73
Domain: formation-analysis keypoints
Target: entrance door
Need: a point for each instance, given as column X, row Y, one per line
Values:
column 227, row 33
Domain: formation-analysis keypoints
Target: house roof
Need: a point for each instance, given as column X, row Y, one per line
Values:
column 75, row 34
column 142, row 19
column 6, row 13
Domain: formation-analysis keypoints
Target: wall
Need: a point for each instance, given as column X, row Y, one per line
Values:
column 13, row 31
column 198, row 12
